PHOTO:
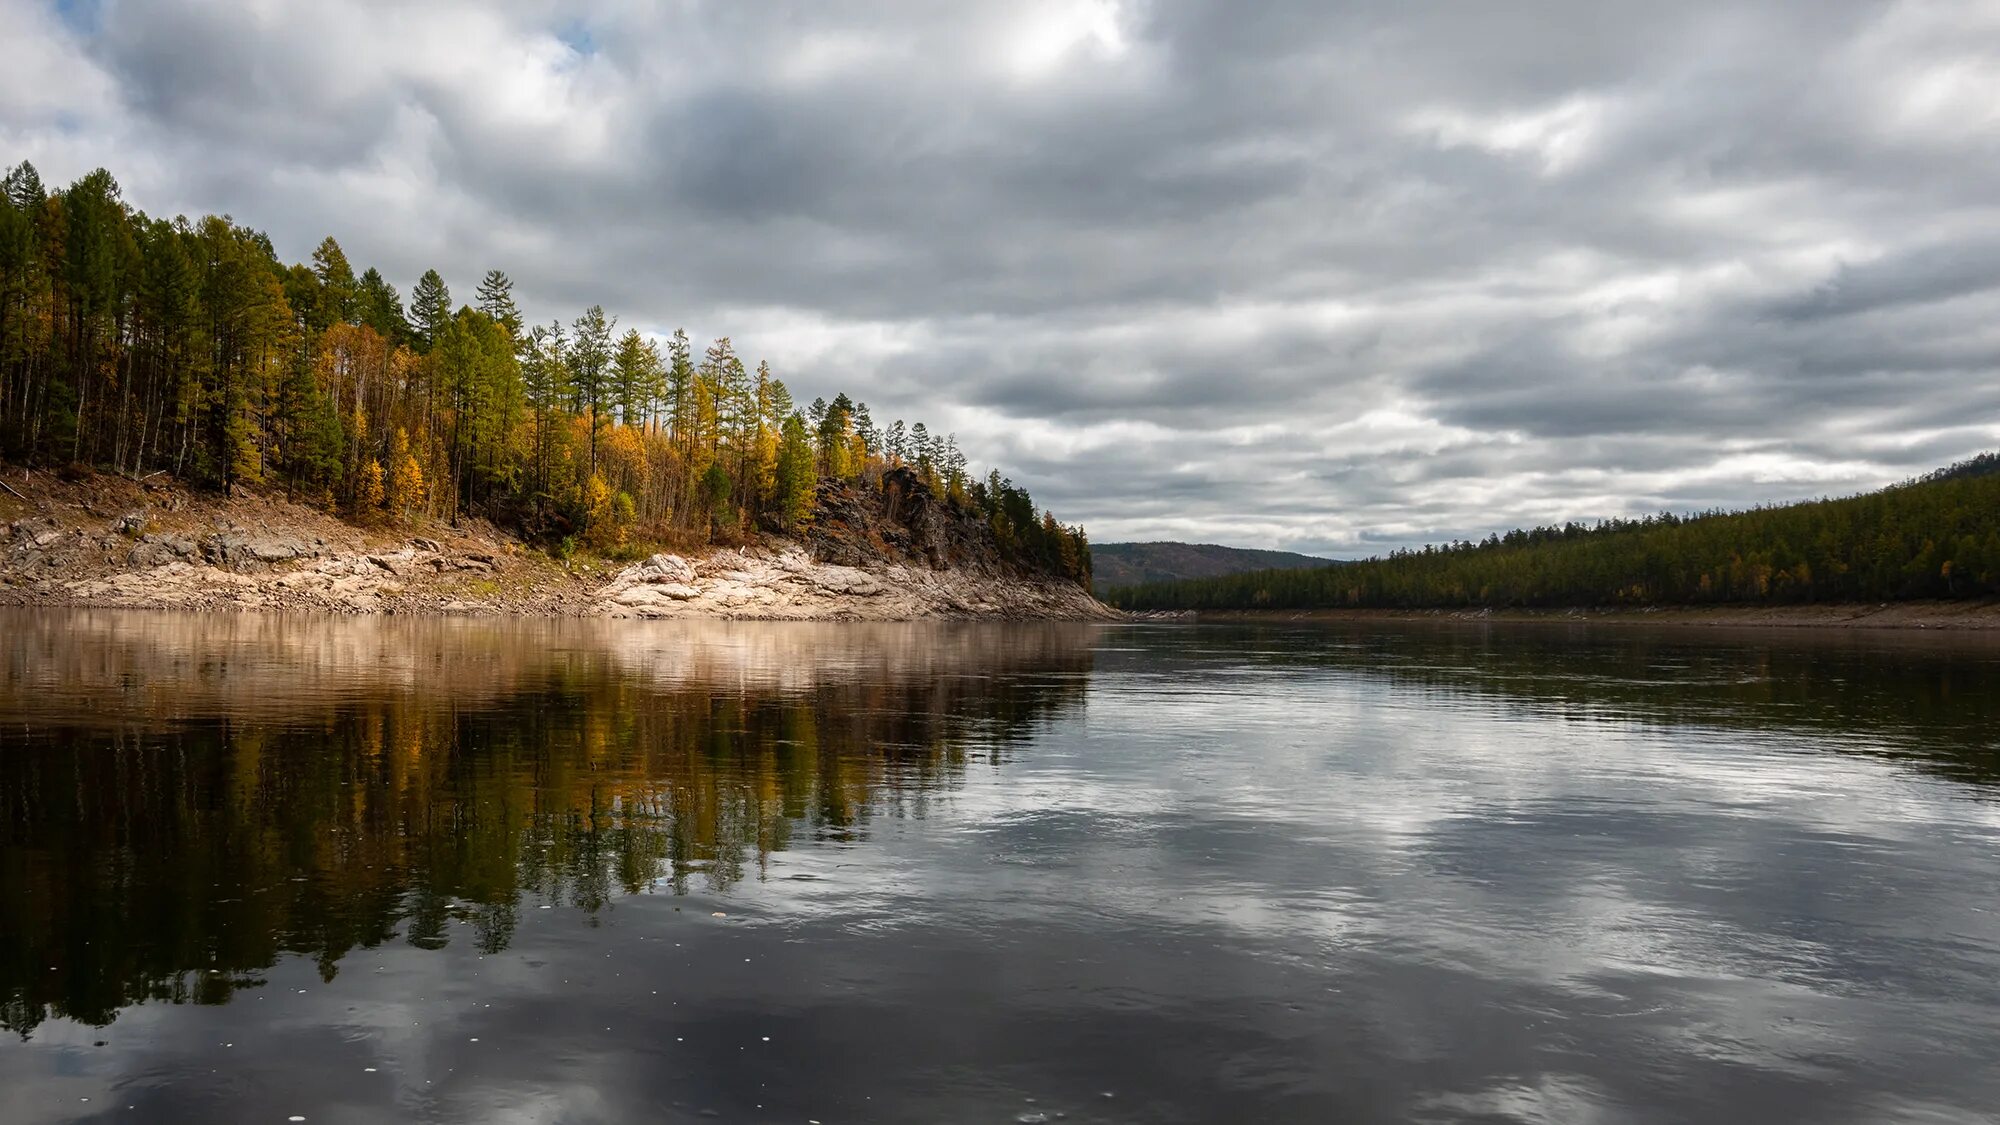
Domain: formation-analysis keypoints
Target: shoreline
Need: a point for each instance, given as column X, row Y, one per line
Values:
column 1968, row 616
column 113, row 543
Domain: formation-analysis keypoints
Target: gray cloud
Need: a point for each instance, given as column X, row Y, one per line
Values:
column 1336, row 279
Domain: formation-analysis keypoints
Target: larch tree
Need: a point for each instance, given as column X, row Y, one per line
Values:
column 496, row 300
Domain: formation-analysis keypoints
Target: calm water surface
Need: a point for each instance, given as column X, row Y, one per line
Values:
column 258, row 868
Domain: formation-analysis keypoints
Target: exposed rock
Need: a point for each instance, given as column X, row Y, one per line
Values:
column 881, row 555
column 217, row 548
column 666, row 568
column 846, row 580
column 786, row 583
column 156, row 550
column 647, row 594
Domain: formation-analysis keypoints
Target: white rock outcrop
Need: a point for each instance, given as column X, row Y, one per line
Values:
column 787, row 584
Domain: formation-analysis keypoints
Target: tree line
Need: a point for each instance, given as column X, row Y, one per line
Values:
column 142, row 345
column 1936, row 537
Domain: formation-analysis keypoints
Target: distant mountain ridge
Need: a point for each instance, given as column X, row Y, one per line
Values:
column 1115, row 565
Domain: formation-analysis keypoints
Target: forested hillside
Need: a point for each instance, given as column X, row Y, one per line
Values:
column 137, row 344
column 1938, row 537
column 1130, row 564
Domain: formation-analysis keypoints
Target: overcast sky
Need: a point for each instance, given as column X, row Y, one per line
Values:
column 1334, row 277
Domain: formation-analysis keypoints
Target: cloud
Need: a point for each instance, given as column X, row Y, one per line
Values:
column 1330, row 279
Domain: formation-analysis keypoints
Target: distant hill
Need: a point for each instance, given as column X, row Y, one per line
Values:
column 1128, row 564
column 1984, row 465
column 1934, row 537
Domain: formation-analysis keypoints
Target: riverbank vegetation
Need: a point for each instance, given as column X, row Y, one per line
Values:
column 139, row 345
column 1933, row 538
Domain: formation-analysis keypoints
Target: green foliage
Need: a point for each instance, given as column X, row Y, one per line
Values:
column 430, row 308
column 1023, row 534
column 338, row 292
column 639, row 373
column 795, row 475
column 496, row 300
column 589, row 366
column 1934, row 538
column 715, row 495
column 380, row 307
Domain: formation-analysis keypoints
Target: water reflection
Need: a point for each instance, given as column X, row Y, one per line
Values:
column 187, row 799
column 979, row 873
column 1931, row 700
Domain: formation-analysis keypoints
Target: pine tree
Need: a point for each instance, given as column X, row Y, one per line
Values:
column 590, row 369
column 430, row 308
column 91, row 280
column 793, row 486
column 637, row 369
column 380, row 307
column 339, row 294
column 922, row 456
column 546, row 374
column 680, row 389
column 729, row 388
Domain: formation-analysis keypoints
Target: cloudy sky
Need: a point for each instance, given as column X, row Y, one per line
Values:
column 1329, row 276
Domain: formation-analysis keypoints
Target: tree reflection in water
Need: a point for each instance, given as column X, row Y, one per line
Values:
column 187, row 799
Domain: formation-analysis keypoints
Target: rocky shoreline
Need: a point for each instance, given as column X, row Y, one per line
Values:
column 109, row 542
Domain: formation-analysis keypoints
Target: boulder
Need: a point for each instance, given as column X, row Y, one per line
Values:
column 847, row 581
column 668, row 568
column 179, row 546
column 158, row 550
column 655, row 594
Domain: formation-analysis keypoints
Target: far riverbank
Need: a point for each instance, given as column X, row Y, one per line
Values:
column 1912, row 615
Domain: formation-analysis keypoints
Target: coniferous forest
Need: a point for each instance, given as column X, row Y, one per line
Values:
column 1937, row 537
column 138, row 345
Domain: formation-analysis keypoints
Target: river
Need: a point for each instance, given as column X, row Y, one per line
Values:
column 282, row 868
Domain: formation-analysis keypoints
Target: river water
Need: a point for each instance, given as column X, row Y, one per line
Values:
column 266, row 868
